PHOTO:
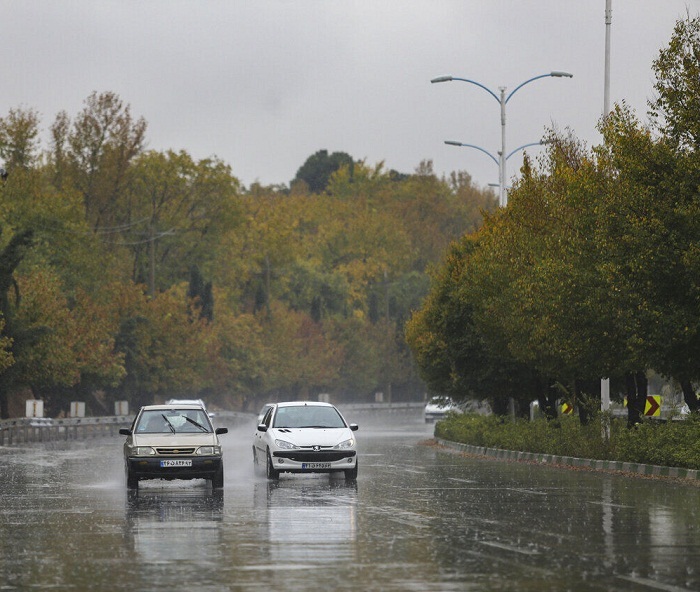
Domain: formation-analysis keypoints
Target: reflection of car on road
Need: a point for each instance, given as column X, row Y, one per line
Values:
column 172, row 525
column 438, row 408
column 173, row 442
column 305, row 437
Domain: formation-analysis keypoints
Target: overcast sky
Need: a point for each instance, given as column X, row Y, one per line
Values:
column 263, row 84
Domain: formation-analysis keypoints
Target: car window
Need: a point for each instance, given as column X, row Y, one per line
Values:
column 308, row 416
column 173, row 421
column 267, row 416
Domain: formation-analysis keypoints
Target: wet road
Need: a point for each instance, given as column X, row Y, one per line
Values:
column 418, row 518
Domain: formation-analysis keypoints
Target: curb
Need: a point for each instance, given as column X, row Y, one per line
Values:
column 570, row 461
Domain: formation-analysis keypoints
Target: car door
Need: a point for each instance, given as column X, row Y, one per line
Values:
column 259, row 438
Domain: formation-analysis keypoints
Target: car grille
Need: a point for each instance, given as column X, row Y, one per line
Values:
column 175, row 451
column 311, row 456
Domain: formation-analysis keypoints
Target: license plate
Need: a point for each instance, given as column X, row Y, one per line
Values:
column 176, row 463
column 315, row 465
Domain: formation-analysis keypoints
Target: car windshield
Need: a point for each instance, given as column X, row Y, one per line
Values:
column 164, row 421
column 308, row 416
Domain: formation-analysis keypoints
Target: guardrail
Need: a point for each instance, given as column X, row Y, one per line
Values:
column 24, row 430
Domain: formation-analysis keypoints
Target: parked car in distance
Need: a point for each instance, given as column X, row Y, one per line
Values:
column 305, row 437
column 438, row 407
column 189, row 402
column 173, row 442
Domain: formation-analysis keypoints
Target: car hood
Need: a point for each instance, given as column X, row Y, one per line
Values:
column 156, row 440
column 312, row 436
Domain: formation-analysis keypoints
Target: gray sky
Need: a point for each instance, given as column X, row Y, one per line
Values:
column 263, row 84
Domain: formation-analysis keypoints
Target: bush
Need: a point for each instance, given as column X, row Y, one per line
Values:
column 672, row 443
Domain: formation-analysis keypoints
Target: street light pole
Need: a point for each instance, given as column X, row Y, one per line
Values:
column 503, row 99
column 499, row 161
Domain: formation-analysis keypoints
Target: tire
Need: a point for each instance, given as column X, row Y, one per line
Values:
column 351, row 474
column 132, row 482
column 272, row 473
column 217, row 481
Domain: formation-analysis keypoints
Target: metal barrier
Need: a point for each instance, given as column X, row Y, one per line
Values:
column 25, row 430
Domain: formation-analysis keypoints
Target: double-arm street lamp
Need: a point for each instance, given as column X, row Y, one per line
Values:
column 502, row 99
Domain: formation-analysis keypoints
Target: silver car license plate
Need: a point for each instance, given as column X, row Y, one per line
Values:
column 176, row 463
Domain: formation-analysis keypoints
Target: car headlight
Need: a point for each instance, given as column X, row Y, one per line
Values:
column 143, row 451
column 286, row 445
column 209, row 450
column 346, row 444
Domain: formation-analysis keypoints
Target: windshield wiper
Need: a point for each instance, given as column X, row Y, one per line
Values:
column 199, row 425
column 172, row 428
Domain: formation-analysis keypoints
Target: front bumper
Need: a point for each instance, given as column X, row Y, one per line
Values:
column 309, row 461
column 202, row 467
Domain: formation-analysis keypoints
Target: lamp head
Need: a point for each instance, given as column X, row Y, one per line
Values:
column 441, row 79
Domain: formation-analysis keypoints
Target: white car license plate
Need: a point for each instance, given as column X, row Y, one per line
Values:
column 316, row 465
column 176, row 463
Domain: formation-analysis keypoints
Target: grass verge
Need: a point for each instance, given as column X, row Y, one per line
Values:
column 670, row 444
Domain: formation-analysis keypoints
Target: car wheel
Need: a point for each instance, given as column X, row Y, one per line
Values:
column 351, row 474
column 217, row 481
column 272, row 473
column 132, row 481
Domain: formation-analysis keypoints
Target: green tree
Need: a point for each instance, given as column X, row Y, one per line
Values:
column 177, row 211
column 319, row 167
column 19, row 138
column 94, row 154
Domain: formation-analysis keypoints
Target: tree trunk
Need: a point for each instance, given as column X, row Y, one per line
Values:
column 4, row 407
column 548, row 402
column 637, row 386
column 689, row 396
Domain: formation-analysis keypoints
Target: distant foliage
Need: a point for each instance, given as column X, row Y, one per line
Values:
column 141, row 275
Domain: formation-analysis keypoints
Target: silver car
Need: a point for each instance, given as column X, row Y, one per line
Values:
column 173, row 442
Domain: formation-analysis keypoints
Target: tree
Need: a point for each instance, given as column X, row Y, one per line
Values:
column 318, row 168
column 177, row 211
column 19, row 143
column 453, row 356
column 95, row 152
column 12, row 331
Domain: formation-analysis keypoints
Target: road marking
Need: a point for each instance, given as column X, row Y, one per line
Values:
column 652, row 584
column 520, row 550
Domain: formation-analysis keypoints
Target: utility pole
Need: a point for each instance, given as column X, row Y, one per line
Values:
column 605, row 382
column 606, row 87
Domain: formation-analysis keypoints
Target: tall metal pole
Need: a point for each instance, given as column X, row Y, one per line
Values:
column 608, row 26
column 502, row 155
column 605, row 382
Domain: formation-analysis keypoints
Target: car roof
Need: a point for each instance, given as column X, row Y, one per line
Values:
column 173, row 406
column 303, row 404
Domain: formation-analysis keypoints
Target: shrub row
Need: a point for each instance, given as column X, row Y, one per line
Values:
column 671, row 444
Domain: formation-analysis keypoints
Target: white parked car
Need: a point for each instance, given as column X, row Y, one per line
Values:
column 438, row 407
column 305, row 437
column 173, row 442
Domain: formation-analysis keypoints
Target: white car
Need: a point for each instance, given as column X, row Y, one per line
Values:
column 173, row 442
column 438, row 407
column 305, row 437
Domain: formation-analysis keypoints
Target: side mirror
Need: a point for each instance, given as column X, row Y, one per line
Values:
column 221, row 431
column 125, row 431
column 354, row 427
column 262, row 427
